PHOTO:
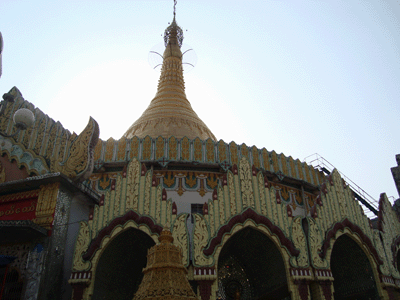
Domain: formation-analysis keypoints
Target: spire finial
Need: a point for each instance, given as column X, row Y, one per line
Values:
column 174, row 8
column 173, row 30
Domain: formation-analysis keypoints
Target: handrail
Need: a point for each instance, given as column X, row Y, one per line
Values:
column 370, row 203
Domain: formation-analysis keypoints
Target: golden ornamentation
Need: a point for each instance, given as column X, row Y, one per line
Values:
column 292, row 167
column 81, row 245
column 146, row 154
column 244, row 150
column 234, row 153
column 97, row 150
column 165, row 277
column 180, row 187
column 134, row 147
column 109, row 149
column 210, row 149
column 133, row 179
column 169, row 179
column 339, row 193
column 256, row 159
column 180, row 235
column 316, row 239
column 202, row 190
column 50, row 144
column 222, row 151
column 198, row 149
column 39, row 138
column 147, row 191
column 160, row 147
column 191, row 179
column 46, row 205
column 284, row 164
column 173, row 152
column 300, row 168
column 275, row 163
column 261, row 188
column 232, row 198
column 384, row 268
column 212, row 181
column 170, row 113
column 245, row 183
column 121, row 149
column 299, row 241
column 185, row 149
column 200, row 240
column 265, row 157
column 79, row 162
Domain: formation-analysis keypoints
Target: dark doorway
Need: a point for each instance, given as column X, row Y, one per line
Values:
column 119, row 270
column 352, row 272
column 250, row 264
column 11, row 284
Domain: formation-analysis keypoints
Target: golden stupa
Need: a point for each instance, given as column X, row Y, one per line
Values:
column 165, row 277
column 170, row 113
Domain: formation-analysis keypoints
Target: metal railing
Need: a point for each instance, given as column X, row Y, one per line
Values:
column 369, row 204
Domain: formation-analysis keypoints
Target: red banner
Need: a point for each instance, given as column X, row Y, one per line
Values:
column 18, row 210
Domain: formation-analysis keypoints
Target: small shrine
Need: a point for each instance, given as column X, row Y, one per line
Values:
column 165, row 277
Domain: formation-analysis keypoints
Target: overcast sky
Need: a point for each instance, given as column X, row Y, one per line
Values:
column 298, row 77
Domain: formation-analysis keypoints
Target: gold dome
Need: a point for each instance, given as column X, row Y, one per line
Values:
column 170, row 113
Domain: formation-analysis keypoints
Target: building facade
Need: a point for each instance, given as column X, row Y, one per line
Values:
column 251, row 223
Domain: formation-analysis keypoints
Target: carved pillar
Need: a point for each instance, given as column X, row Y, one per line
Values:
column 52, row 278
column 321, row 290
column 302, row 286
column 205, row 289
column 78, row 290
column 34, row 272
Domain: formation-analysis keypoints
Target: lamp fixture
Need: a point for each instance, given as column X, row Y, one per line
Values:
column 23, row 117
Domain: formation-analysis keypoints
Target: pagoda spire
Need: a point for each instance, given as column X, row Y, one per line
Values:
column 170, row 113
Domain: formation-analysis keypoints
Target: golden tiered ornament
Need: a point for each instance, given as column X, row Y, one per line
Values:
column 165, row 277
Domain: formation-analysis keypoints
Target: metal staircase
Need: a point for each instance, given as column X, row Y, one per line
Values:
column 369, row 204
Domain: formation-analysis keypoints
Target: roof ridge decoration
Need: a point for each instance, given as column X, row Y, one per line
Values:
column 47, row 147
column 170, row 113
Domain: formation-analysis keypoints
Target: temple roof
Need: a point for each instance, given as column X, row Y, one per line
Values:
column 170, row 113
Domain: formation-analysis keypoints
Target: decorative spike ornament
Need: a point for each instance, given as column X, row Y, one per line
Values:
column 165, row 277
column 170, row 113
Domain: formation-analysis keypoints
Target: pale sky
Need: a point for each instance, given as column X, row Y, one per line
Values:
column 297, row 77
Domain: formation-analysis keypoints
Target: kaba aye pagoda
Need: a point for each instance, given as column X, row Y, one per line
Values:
column 83, row 218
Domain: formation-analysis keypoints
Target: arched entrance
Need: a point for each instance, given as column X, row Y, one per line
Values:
column 251, row 264
column 352, row 271
column 119, row 270
column 11, row 284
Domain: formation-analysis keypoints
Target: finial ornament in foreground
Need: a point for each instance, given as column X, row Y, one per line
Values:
column 165, row 277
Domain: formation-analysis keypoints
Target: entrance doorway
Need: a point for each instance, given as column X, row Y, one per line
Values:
column 352, row 272
column 250, row 265
column 119, row 270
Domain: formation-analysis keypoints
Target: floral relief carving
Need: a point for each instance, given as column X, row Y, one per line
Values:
column 133, row 176
column 299, row 241
column 316, row 239
column 245, row 183
column 180, row 235
column 200, row 240
column 231, row 187
column 81, row 245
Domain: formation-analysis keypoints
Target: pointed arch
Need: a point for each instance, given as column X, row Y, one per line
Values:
column 250, row 214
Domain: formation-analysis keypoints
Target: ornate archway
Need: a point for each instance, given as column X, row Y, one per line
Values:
column 250, row 264
column 352, row 271
column 119, row 270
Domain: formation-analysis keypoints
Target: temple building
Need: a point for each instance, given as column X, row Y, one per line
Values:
column 79, row 216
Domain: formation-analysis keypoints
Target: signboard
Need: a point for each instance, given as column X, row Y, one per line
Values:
column 20, row 206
